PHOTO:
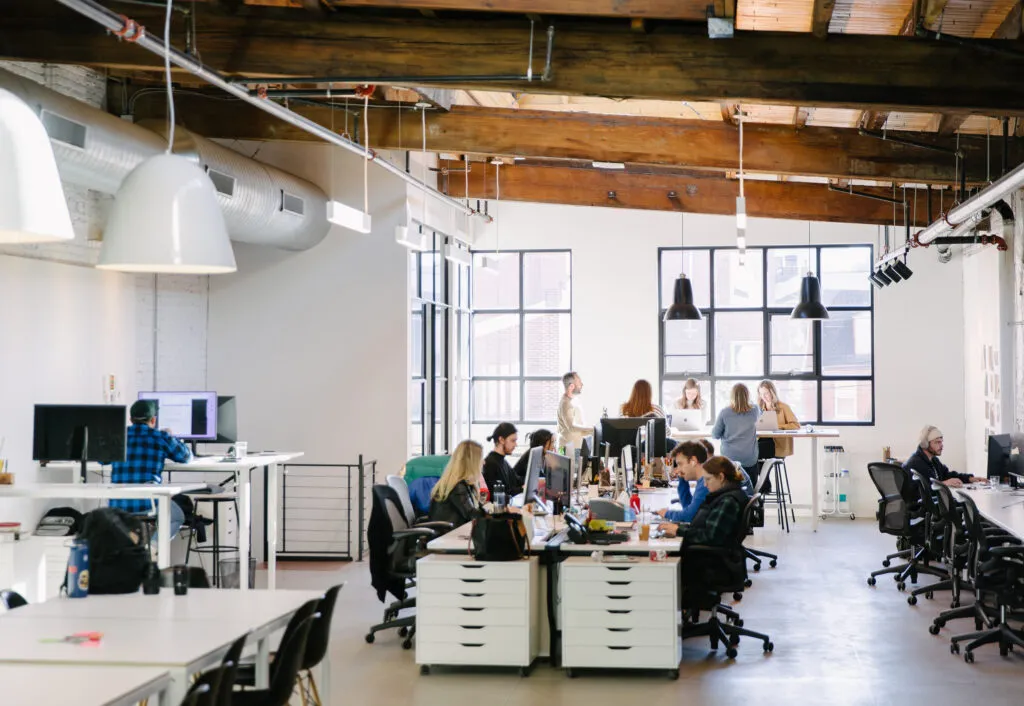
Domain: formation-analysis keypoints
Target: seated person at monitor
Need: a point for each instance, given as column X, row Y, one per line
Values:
column 641, row 404
column 146, row 450
column 496, row 466
column 456, row 497
column 925, row 460
column 688, row 459
column 719, row 516
column 543, row 438
column 691, row 400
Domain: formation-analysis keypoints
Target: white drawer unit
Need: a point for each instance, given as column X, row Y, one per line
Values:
column 477, row 612
column 620, row 616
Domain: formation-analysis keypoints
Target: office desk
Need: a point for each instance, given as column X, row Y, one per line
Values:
column 112, row 491
column 35, row 684
column 816, row 435
column 1004, row 508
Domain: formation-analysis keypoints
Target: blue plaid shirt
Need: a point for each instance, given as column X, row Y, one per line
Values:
column 146, row 450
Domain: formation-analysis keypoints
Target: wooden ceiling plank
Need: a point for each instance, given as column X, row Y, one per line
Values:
column 949, row 123
column 770, row 149
column 640, row 9
column 669, row 63
column 1013, row 26
column 714, row 195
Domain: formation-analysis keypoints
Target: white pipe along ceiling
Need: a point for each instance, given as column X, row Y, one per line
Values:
column 963, row 213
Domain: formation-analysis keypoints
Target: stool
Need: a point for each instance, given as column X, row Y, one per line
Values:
column 217, row 548
column 780, row 495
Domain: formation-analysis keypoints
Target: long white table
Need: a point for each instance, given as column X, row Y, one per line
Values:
column 182, row 634
column 1004, row 508
column 37, row 684
column 112, row 491
column 816, row 435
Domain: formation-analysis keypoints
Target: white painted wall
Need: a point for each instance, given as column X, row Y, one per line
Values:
column 919, row 354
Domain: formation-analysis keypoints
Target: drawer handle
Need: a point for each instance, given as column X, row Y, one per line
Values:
column 472, row 595
column 472, row 627
column 618, row 598
column 472, row 644
column 619, row 647
column 473, row 610
column 620, row 612
column 618, row 629
column 618, row 568
column 472, row 580
column 472, row 566
column 618, row 583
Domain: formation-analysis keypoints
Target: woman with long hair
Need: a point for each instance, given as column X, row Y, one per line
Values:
column 768, row 400
column 543, row 438
column 456, row 497
column 691, row 397
column 641, row 402
column 721, row 513
column 735, row 426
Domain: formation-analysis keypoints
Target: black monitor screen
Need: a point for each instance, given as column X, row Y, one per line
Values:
column 227, row 420
column 620, row 432
column 1004, row 455
column 656, row 438
column 60, row 432
column 558, row 478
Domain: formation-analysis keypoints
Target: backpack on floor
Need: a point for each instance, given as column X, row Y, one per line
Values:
column 118, row 551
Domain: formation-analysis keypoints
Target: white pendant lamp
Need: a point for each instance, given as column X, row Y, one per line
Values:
column 32, row 205
column 166, row 218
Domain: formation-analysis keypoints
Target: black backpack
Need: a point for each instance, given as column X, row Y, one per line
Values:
column 118, row 551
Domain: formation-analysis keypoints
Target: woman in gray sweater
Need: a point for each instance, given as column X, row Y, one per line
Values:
column 735, row 427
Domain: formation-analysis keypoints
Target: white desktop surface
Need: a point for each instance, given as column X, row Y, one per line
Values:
column 1004, row 508
column 35, row 684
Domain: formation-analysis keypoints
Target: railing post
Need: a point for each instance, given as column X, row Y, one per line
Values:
column 362, row 505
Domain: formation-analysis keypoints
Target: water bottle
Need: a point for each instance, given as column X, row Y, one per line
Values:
column 499, row 497
column 78, row 569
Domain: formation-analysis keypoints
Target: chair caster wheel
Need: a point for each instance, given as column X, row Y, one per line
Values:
column 773, row 563
column 969, row 657
column 871, row 581
column 933, row 629
column 954, row 604
column 929, row 595
column 737, row 596
column 769, row 647
column 524, row 672
column 424, row 669
column 407, row 643
column 978, row 625
column 734, row 640
column 402, row 632
column 886, row 563
column 954, row 648
column 896, row 578
column 370, row 637
column 852, row 516
column 901, row 586
column 570, row 673
column 1004, row 651
column 731, row 653
column 747, row 583
column 673, row 674
column 757, row 566
column 912, row 600
column 739, row 622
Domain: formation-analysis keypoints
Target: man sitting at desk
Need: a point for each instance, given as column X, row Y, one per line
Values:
column 146, row 450
column 689, row 459
column 925, row 460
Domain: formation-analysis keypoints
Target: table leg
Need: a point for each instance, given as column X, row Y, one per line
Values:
column 175, row 692
column 325, row 678
column 271, row 491
column 815, row 500
column 163, row 532
column 244, row 528
column 263, row 662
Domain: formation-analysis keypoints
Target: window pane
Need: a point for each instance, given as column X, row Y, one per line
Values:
column 546, row 280
column 846, row 343
column 672, row 391
column 739, row 343
column 463, row 298
column 737, row 284
column 843, row 276
column 414, row 274
column 440, row 363
column 496, row 344
column 792, row 346
column 686, row 346
column 429, row 276
column 786, row 270
column 541, row 403
column 440, row 415
column 496, row 400
column 802, row 396
column 416, row 418
column 696, row 265
column 416, row 344
column 464, row 328
column 723, row 393
column 496, row 286
column 546, row 344
column 846, row 401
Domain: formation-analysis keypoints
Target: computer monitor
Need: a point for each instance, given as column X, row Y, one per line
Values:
column 79, row 433
column 656, row 433
column 558, row 480
column 620, row 432
column 227, row 420
column 1004, row 455
column 190, row 416
column 534, row 466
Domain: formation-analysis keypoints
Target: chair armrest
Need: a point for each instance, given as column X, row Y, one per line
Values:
column 1005, row 538
column 413, row 532
column 1007, row 551
column 435, row 525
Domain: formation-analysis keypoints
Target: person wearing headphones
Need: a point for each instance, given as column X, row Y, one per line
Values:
column 925, row 460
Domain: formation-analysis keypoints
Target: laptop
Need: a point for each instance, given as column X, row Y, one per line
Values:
column 768, row 421
column 687, row 419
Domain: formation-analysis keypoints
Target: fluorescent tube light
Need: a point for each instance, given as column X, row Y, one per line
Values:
column 608, row 165
column 347, row 217
column 412, row 238
column 460, row 256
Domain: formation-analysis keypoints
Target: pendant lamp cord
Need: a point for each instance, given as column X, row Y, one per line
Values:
column 739, row 118
column 423, row 175
column 497, row 203
column 682, row 244
column 366, row 153
column 167, row 75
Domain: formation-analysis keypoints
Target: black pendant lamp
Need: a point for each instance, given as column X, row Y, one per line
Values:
column 810, row 307
column 683, row 308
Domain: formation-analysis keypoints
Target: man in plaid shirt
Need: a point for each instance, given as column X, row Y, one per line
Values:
column 147, row 449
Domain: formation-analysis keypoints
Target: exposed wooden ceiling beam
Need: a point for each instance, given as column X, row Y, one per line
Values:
column 771, row 149
column 949, row 123
column 714, row 195
column 875, row 119
column 670, row 62
column 692, row 10
column 822, row 17
column 1013, row 26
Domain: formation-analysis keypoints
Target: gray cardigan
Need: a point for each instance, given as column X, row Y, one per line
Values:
column 739, row 440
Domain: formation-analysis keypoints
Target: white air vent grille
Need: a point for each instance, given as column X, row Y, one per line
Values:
column 292, row 204
column 63, row 130
column 223, row 183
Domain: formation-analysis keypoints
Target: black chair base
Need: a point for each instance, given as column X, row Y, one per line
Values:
column 406, row 626
column 1002, row 634
column 728, row 634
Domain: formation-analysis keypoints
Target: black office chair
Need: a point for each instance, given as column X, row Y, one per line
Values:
column 317, row 647
column 394, row 549
column 12, row 599
column 708, row 573
column 757, row 520
column 945, row 518
column 230, row 666
column 210, row 684
column 245, row 675
column 193, row 696
column 283, row 673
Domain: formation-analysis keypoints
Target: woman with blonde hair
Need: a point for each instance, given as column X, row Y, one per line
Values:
column 768, row 400
column 735, row 426
column 641, row 402
column 456, row 497
column 691, row 397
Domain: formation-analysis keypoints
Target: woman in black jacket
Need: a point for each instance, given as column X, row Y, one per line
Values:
column 456, row 497
column 719, row 517
column 541, row 437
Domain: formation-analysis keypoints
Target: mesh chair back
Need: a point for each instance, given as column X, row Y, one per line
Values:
column 750, row 511
column 893, row 509
column 288, row 661
column 320, row 633
column 398, row 484
column 12, row 599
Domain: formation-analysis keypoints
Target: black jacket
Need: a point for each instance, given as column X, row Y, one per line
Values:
column 718, row 520
column 496, row 468
column 458, row 508
column 934, row 468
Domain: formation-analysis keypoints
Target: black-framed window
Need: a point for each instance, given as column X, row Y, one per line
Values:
column 823, row 370
column 521, row 337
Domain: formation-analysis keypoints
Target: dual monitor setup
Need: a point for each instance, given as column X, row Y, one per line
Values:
column 97, row 433
column 1006, row 457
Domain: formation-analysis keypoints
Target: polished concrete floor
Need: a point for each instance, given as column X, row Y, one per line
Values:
column 837, row 642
